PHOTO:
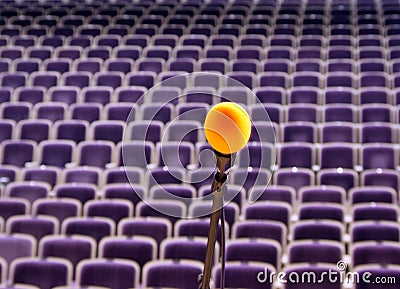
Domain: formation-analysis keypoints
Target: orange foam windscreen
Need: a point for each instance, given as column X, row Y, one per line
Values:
column 227, row 127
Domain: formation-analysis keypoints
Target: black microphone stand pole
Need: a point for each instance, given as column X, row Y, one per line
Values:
column 218, row 188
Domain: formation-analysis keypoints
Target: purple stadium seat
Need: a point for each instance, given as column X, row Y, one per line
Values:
column 243, row 275
column 269, row 210
column 157, row 208
column 240, row 78
column 341, row 79
column 87, row 112
column 374, row 156
column 264, row 131
column 376, row 113
column 304, row 95
column 315, row 252
column 32, row 95
column 318, row 230
column 377, row 132
column 28, row 66
column 294, row 177
column 5, row 94
column 16, row 246
column 157, row 112
column 35, row 130
column 7, row 127
column 13, row 79
column 79, row 79
column 274, row 79
column 13, row 206
column 43, row 273
column 339, row 95
column 328, row 194
column 52, row 111
column 111, row 208
column 339, row 112
column 338, row 156
column 345, row 178
column 374, row 211
column 156, row 228
column 131, row 94
column 130, row 192
column 38, row 227
column 197, row 228
column 79, row 191
column 338, row 132
column 257, row 155
column 123, row 65
column 248, row 177
column 142, row 78
column 74, row 130
column 145, row 131
column 45, row 79
column 249, row 65
column 182, row 274
column 95, row 153
column 246, row 250
column 95, row 227
column 308, row 78
column 42, row 53
column 177, row 154
column 11, row 52
column 380, row 177
column 264, row 229
column 111, row 79
column 220, row 40
column 280, row 52
column 166, row 94
column 200, row 95
column 59, row 208
column 184, row 248
column 17, row 152
column 61, row 65
column 91, row 65
column 139, row 249
column 110, row 130
column 64, row 94
column 299, row 132
column 270, row 95
column 72, row 248
column 318, row 211
column 47, row 175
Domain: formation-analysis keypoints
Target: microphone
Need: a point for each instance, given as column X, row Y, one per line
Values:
column 227, row 128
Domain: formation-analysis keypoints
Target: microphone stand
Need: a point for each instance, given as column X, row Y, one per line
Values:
column 218, row 189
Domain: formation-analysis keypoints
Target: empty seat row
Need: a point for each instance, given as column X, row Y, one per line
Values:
column 158, row 26
column 162, row 115
column 309, row 195
column 197, row 48
column 107, row 134
column 324, row 223
column 163, row 273
column 329, row 96
column 230, row 41
column 93, row 65
column 114, row 79
column 293, row 177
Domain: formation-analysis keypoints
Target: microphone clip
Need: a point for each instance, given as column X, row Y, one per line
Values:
column 224, row 162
